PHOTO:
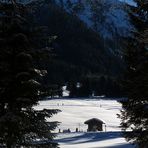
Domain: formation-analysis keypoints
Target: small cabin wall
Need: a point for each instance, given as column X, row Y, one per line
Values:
column 99, row 127
column 94, row 127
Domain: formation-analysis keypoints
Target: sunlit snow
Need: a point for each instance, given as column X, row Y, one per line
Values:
column 76, row 111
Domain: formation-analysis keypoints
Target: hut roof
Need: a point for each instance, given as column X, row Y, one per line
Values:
column 93, row 120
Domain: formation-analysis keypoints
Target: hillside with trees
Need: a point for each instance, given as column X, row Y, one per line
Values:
column 79, row 51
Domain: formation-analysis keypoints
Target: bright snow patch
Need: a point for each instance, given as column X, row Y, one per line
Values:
column 75, row 112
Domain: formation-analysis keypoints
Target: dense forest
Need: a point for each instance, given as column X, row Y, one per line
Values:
column 80, row 53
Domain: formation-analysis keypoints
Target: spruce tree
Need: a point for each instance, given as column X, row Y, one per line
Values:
column 20, row 89
column 135, row 108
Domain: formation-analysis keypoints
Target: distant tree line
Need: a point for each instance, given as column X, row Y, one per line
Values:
column 96, row 86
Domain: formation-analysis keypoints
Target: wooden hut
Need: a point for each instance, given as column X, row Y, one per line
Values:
column 94, row 124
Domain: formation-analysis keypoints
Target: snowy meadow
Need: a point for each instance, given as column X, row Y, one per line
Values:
column 74, row 112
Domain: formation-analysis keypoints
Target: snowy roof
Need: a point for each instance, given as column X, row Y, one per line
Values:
column 93, row 120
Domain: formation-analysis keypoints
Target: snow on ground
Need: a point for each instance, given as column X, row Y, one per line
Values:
column 93, row 140
column 76, row 111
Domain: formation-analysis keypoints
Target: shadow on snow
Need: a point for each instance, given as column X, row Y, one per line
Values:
column 91, row 137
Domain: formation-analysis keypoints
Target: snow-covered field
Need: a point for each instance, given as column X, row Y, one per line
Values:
column 76, row 111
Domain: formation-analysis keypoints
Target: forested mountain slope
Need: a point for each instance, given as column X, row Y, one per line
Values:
column 88, row 42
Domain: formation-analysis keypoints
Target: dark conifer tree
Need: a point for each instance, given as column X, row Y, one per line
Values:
column 135, row 113
column 20, row 124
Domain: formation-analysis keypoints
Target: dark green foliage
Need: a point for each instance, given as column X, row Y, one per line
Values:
column 20, row 89
column 135, row 113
